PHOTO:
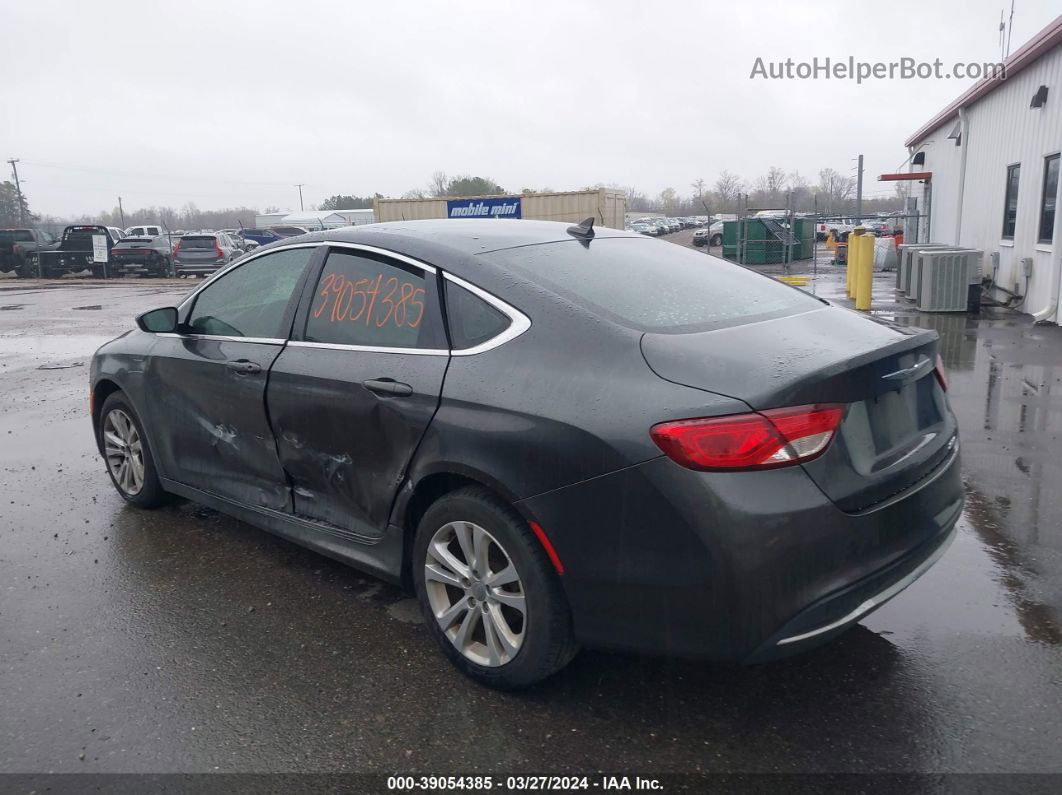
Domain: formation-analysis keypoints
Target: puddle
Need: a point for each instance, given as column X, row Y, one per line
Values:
column 91, row 307
column 75, row 345
column 10, row 307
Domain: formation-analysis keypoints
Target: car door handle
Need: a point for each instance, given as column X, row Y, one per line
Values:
column 387, row 386
column 244, row 367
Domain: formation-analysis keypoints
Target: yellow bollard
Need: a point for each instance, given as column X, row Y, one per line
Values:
column 864, row 287
column 854, row 252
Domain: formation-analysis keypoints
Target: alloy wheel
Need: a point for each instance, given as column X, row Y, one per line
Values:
column 475, row 593
column 124, row 451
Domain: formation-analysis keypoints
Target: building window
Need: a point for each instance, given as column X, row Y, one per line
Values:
column 1010, row 201
column 1048, row 200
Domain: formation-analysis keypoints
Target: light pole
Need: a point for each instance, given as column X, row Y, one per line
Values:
column 18, row 191
column 299, row 186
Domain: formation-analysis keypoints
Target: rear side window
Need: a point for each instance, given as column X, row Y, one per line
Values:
column 251, row 300
column 652, row 286
column 367, row 300
column 472, row 320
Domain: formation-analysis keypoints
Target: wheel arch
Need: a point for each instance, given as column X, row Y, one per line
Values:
column 415, row 499
column 101, row 390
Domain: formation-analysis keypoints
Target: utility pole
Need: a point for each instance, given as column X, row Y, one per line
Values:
column 18, row 191
column 299, row 186
column 859, row 191
column 121, row 212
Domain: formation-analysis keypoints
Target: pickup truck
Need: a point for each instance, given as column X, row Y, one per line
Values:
column 74, row 253
column 19, row 247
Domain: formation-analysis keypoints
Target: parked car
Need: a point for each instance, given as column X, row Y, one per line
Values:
column 144, row 231
column 147, row 256
column 262, row 236
column 75, row 252
column 19, row 247
column 663, row 485
column 289, row 231
column 643, row 229
column 202, row 253
column 709, row 236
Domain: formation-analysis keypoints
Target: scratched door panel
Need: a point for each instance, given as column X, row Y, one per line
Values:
column 350, row 398
column 215, row 433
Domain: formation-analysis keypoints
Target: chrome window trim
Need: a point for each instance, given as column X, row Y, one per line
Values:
column 519, row 322
column 335, row 346
column 518, row 325
column 260, row 340
column 383, row 252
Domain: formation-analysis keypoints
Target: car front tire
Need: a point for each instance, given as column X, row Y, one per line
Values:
column 127, row 454
column 490, row 596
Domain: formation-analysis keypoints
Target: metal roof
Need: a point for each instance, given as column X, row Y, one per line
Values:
column 1028, row 54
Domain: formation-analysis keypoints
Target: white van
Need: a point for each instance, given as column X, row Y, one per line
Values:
column 144, row 231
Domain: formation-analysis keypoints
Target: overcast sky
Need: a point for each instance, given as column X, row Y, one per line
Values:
column 225, row 103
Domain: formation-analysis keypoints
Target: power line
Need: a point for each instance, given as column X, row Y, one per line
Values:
column 141, row 175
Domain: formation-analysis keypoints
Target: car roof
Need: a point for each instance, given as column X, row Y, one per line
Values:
column 465, row 235
column 454, row 244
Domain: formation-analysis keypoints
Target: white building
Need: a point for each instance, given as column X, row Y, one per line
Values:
column 315, row 219
column 990, row 166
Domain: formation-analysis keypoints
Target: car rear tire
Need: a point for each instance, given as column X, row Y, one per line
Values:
column 127, row 454
column 490, row 596
column 717, row 240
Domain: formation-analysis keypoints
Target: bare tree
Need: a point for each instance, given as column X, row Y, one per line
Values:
column 835, row 189
column 727, row 187
column 771, row 185
column 437, row 186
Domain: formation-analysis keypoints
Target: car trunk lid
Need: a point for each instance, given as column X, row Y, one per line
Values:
column 897, row 427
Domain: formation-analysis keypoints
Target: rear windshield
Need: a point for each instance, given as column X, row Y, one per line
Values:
column 83, row 234
column 197, row 242
column 16, row 235
column 654, row 286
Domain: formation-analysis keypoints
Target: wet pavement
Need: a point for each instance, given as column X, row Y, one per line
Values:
column 182, row 640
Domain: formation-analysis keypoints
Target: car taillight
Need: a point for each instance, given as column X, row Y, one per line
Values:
column 217, row 249
column 759, row 440
column 941, row 373
column 176, row 247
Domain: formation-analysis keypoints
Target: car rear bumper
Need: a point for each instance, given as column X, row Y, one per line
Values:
column 197, row 267
column 738, row 567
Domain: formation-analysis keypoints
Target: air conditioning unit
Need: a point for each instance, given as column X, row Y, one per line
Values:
column 905, row 261
column 945, row 279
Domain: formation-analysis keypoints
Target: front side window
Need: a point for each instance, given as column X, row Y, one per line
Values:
column 1010, row 201
column 1048, row 200
column 251, row 300
column 372, row 301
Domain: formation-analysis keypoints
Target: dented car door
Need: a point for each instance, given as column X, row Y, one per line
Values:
column 207, row 382
column 353, row 392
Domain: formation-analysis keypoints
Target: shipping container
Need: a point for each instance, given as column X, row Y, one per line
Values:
column 607, row 207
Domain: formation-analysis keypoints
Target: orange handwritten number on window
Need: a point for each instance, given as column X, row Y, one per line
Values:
column 413, row 300
column 327, row 282
column 337, row 288
column 389, row 301
column 364, row 298
column 340, row 292
column 373, row 290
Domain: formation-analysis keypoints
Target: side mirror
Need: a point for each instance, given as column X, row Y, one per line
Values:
column 159, row 321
